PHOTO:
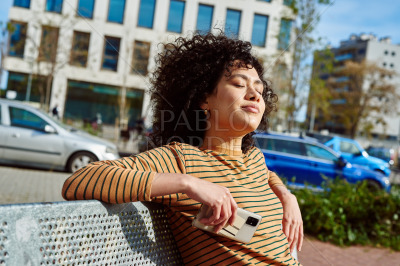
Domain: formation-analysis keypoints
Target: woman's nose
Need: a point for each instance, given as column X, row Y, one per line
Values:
column 252, row 94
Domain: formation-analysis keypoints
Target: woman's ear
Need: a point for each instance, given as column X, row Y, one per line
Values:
column 204, row 105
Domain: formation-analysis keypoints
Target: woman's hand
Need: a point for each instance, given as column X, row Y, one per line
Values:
column 292, row 222
column 215, row 196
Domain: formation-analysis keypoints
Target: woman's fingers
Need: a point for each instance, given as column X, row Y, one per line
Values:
column 221, row 215
column 301, row 236
column 225, row 215
column 215, row 214
column 293, row 235
column 218, row 198
column 233, row 210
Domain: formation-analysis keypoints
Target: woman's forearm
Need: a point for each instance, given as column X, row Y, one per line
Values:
column 281, row 192
column 169, row 183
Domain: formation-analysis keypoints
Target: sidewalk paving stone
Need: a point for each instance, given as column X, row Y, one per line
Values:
column 319, row 253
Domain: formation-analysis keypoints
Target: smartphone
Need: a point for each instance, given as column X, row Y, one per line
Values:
column 242, row 230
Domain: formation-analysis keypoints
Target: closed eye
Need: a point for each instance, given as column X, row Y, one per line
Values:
column 238, row 85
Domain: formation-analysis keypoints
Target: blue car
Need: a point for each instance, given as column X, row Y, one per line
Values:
column 352, row 151
column 307, row 160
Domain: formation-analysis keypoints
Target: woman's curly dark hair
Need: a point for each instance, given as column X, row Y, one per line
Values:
column 188, row 71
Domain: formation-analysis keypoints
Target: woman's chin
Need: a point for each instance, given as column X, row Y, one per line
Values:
column 246, row 129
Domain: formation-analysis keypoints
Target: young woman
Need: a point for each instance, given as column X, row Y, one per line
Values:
column 209, row 96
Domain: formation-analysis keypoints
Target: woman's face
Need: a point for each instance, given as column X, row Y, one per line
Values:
column 236, row 106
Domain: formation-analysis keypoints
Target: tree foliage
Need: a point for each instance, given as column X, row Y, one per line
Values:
column 371, row 97
column 320, row 95
column 46, row 54
column 295, row 90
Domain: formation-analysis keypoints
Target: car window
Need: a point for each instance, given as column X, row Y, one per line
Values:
column 23, row 118
column 348, row 147
column 286, row 146
column 320, row 153
column 261, row 142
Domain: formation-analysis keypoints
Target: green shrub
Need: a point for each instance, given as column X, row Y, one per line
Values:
column 347, row 214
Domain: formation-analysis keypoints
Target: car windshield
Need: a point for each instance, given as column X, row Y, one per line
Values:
column 349, row 147
column 64, row 126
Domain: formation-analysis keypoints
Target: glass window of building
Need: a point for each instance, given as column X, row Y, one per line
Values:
column 287, row 2
column 19, row 82
column 84, row 101
column 232, row 23
column 146, row 13
column 54, row 5
column 269, row 1
column 48, row 44
column 204, row 18
column 17, row 39
column 140, row 58
column 85, row 8
column 116, row 10
column 22, row 3
column 260, row 26
column 175, row 16
column 284, row 34
column 80, row 49
column 111, row 51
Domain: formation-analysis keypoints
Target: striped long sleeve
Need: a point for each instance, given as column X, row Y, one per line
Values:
column 124, row 180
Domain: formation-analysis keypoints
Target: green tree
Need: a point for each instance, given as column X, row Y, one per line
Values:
column 294, row 92
column 320, row 95
column 53, row 54
column 371, row 97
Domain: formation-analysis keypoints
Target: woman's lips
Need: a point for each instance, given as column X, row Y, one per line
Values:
column 251, row 109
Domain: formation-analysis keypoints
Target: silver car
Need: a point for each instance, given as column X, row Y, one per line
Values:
column 30, row 137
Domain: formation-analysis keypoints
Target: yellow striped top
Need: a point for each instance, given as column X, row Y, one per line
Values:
column 245, row 175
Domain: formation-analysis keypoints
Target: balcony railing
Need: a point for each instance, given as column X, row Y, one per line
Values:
column 343, row 57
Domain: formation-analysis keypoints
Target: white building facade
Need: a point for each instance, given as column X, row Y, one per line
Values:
column 387, row 55
column 104, row 49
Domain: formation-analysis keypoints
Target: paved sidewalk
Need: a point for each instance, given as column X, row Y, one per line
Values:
column 325, row 254
column 19, row 185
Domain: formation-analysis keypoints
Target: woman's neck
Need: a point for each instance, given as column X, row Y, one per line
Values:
column 222, row 142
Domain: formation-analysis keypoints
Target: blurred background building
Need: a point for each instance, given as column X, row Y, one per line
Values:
column 91, row 57
column 358, row 48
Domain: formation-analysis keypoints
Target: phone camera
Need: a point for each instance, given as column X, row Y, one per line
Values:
column 252, row 221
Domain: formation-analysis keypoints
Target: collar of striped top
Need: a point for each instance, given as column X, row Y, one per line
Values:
column 223, row 150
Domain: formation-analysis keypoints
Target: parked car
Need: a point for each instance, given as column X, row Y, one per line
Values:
column 308, row 161
column 386, row 154
column 29, row 136
column 352, row 151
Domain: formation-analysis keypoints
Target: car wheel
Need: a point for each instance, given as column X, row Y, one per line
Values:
column 373, row 185
column 79, row 160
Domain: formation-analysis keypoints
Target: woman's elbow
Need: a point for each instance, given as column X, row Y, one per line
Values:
column 66, row 192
